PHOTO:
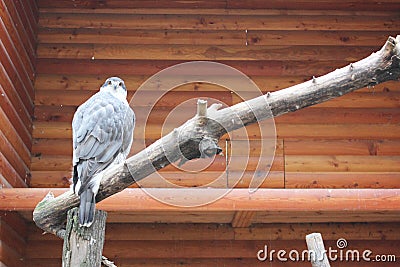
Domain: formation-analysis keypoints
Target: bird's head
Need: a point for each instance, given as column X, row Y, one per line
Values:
column 115, row 86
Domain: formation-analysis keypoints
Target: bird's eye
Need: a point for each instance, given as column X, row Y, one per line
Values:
column 109, row 82
column 120, row 84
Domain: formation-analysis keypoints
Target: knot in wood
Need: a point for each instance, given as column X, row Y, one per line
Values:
column 208, row 147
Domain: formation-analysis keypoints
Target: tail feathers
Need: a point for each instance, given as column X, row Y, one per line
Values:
column 87, row 208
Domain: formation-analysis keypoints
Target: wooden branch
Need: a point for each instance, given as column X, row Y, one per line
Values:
column 184, row 141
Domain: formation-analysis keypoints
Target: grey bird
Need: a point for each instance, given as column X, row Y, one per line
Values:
column 102, row 133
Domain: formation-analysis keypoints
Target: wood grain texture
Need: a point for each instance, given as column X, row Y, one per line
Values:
column 279, row 231
column 265, row 83
column 348, row 143
column 342, row 163
column 13, row 233
column 209, row 179
column 17, row 117
column 288, row 6
column 200, row 52
column 13, row 158
column 16, row 33
column 278, row 200
column 144, row 67
column 212, row 22
column 12, row 136
column 321, row 179
column 17, row 50
column 199, row 249
column 194, row 262
column 191, row 37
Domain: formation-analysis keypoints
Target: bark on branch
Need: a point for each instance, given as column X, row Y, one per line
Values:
column 199, row 135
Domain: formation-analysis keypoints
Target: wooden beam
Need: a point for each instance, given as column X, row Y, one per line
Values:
column 242, row 218
column 291, row 200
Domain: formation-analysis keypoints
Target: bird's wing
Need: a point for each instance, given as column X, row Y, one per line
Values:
column 100, row 133
column 129, row 127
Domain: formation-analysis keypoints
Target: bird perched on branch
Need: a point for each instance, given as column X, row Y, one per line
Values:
column 102, row 132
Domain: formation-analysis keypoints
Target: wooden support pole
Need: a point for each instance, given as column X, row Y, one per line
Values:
column 317, row 250
column 379, row 67
column 83, row 246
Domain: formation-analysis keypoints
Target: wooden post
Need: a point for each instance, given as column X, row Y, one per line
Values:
column 317, row 252
column 83, row 246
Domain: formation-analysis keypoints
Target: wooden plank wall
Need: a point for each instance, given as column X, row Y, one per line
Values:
column 18, row 24
column 17, row 70
column 220, row 244
column 350, row 142
column 13, row 239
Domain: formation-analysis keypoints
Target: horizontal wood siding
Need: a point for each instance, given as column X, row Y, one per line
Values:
column 13, row 239
column 18, row 40
column 349, row 142
column 219, row 244
column 56, row 54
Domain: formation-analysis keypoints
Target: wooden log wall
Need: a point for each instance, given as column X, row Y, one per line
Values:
column 13, row 239
column 349, row 142
column 18, row 46
column 220, row 244
column 18, row 24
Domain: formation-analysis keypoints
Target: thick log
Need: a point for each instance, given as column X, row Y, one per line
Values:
column 271, row 200
column 378, row 67
column 83, row 245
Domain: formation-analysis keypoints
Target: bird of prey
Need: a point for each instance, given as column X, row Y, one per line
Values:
column 102, row 132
